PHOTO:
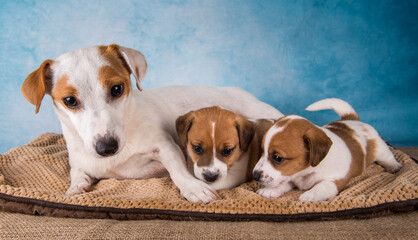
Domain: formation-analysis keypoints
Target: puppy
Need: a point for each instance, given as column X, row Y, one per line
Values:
column 296, row 153
column 223, row 146
column 113, row 131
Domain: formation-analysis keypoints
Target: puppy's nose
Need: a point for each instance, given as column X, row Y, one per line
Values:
column 107, row 146
column 257, row 175
column 210, row 177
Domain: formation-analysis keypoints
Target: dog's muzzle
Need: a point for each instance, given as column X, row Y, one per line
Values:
column 107, row 146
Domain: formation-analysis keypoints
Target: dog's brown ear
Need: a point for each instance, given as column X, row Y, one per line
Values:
column 38, row 83
column 318, row 145
column 135, row 62
column 183, row 125
column 246, row 132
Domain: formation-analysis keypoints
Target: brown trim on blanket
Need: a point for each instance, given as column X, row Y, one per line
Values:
column 54, row 209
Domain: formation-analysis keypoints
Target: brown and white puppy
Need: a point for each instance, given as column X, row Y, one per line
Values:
column 223, row 146
column 297, row 153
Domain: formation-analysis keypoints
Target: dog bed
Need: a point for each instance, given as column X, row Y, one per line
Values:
column 35, row 177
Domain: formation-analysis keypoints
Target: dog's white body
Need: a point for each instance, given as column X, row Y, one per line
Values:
column 346, row 147
column 141, row 123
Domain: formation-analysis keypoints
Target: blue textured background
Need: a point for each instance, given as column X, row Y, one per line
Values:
column 287, row 53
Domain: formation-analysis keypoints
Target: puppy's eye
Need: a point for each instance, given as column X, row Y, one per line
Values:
column 117, row 90
column 227, row 151
column 70, row 102
column 197, row 149
column 277, row 159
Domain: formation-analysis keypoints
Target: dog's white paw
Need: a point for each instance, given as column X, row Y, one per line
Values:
column 196, row 191
column 393, row 168
column 307, row 196
column 80, row 186
column 313, row 196
column 270, row 192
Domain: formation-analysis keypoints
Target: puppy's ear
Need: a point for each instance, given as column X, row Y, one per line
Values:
column 38, row 83
column 183, row 125
column 318, row 145
column 135, row 62
column 246, row 132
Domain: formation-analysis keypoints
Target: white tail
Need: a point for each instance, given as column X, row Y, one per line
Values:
column 342, row 108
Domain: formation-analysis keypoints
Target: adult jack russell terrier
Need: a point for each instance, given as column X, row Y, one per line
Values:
column 296, row 153
column 223, row 146
column 113, row 131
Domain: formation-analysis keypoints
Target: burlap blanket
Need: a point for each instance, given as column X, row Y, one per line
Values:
column 34, row 178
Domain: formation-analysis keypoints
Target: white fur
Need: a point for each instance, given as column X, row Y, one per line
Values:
column 143, row 122
column 319, row 180
column 339, row 106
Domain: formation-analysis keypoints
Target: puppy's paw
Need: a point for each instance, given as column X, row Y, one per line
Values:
column 196, row 191
column 270, row 192
column 313, row 196
column 308, row 196
column 80, row 186
column 394, row 168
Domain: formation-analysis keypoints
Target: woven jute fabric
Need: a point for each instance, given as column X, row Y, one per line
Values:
column 35, row 177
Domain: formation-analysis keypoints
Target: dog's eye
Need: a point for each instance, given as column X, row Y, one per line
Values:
column 70, row 102
column 117, row 90
column 227, row 151
column 197, row 149
column 277, row 159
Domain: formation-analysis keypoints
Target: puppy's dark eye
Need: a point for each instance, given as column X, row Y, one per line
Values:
column 227, row 151
column 277, row 159
column 197, row 149
column 117, row 90
column 70, row 102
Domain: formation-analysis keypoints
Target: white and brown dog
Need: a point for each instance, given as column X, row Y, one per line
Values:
column 112, row 131
column 297, row 153
column 223, row 146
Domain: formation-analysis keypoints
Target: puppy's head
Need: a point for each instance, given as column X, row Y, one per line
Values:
column 214, row 139
column 290, row 146
column 90, row 89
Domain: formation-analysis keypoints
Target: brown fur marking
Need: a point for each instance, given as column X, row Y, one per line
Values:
column 371, row 151
column 63, row 89
column 350, row 116
column 357, row 154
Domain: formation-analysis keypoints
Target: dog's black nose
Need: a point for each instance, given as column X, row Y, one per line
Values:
column 256, row 175
column 210, row 177
column 107, row 146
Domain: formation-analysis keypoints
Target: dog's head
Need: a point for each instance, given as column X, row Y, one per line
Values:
column 290, row 146
column 90, row 89
column 214, row 139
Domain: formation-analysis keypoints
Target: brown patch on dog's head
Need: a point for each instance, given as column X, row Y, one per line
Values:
column 200, row 130
column 297, row 145
column 38, row 83
column 110, row 76
column 62, row 90
column 126, row 61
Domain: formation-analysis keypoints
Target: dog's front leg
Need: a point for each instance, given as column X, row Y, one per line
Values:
column 190, row 187
column 80, row 182
column 322, row 191
column 275, row 192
